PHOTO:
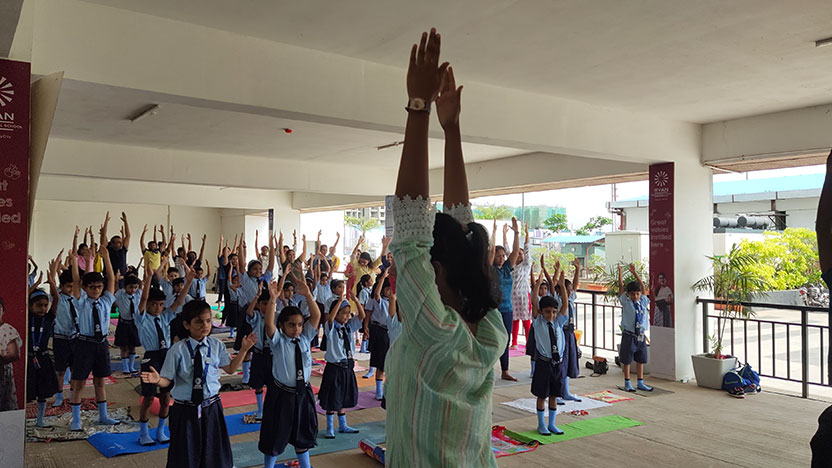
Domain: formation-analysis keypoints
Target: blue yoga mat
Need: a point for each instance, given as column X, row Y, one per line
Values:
column 111, row 445
column 247, row 454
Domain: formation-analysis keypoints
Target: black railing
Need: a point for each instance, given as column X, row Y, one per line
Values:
column 741, row 343
column 587, row 316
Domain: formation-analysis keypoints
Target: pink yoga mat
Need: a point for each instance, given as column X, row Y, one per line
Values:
column 520, row 351
column 365, row 400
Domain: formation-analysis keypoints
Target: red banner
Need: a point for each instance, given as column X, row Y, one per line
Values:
column 661, row 245
column 14, row 227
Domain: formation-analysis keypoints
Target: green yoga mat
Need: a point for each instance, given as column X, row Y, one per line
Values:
column 247, row 454
column 578, row 429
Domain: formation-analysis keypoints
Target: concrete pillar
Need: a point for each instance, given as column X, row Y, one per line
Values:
column 671, row 348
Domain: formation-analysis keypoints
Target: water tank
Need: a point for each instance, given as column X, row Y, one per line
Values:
column 725, row 222
column 754, row 222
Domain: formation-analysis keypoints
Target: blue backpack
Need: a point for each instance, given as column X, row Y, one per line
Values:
column 732, row 380
column 749, row 374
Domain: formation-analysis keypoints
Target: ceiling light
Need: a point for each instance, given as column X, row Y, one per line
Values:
column 152, row 110
column 823, row 42
column 390, row 145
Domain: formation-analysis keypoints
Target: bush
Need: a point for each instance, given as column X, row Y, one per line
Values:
column 785, row 260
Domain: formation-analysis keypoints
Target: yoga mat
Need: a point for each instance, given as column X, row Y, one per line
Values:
column 111, row 445
column 59, row 429
column 529, row 405
column 365, row 400
column 578, row 429
column 520, row 351
column 504, row 445
column 246, row 453
column 656, row 392
column 522, row 379
column 607, row 397
column 87, row 404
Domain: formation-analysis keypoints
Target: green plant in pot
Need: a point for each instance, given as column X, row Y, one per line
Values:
column 734, row 280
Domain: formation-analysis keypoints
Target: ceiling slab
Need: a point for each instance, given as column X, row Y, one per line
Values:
column 100, row 113
column 698, row 61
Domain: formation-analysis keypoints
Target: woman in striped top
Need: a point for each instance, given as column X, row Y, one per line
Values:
column 442, row 365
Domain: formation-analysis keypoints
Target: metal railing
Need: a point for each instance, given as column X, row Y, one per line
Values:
column 743, row 338
column 587, row 315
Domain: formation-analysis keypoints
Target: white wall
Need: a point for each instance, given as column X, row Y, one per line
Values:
column 54, row 223
column 636, row 219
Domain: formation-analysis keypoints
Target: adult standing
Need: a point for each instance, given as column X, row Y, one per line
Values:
column 822, row 441
column 442, row 366
column 117, row 247
column 503, row 264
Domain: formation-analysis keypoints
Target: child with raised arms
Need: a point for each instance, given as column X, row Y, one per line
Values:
column 41, row 381
column 152, row 322
column 377, row 323
column 551, row 362
column 127, row 335
column 261, row 354
column 289, row 415
column 339, row 389
column 635, row 321
column 198, row 434
column 92, row 350
column 66, row 326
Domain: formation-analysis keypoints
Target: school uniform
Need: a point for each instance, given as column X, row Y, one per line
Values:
column 379, row 311
column 550, row 360
column 154, row 335
column 199, row 436
column 247, row 291
column 199, row 288
column 323, row 293
column 41, row 382
column 530, row 344
column 394, row 330
column 166, row 287
column 230, row 312
column 299, row 301
column 65, row 330
column 261, row 353
column 126, row 332
column 92, row 350
column 339, row 389
column 571, row 346
column 289, row 411
column 635, row 321
column 177, row 329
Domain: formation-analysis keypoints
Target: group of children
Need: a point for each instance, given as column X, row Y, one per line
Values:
column 164, row 312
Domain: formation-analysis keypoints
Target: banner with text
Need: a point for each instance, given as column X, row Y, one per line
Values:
column 661, row 245
column 14, row 227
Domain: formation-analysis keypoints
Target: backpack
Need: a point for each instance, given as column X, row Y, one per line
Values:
column 751, row 376
column 598, row 365
column 734, row 383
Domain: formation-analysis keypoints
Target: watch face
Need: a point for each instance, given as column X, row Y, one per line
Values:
column 417, row 104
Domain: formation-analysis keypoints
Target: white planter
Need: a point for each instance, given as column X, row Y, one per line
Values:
column 709, row 371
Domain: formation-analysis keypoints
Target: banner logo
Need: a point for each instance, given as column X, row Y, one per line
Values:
column 6, row 91
column 660, row 178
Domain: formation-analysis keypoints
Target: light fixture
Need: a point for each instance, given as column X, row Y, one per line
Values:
column 390, row 145
column 152, row 110
column 823, row 42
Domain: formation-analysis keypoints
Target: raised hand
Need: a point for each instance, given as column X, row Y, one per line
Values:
column 505, row 228
column 385, row 241
column 514, row 226
column 542, row 262
column 576, row 263
column 274, row 289
column 424, row 73
column 249, row 341
column 124, row 217
column 632, row 268
column 448, row 104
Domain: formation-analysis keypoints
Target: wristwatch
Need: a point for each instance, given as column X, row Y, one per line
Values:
column 418, row 105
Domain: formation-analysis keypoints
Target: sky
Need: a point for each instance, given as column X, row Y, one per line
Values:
column 581, row 203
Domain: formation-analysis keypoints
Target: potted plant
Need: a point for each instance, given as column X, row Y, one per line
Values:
column 734, row 280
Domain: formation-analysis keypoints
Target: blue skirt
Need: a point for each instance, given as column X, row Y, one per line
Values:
column 573, row 370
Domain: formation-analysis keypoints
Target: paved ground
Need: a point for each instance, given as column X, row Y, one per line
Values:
column 690, row 427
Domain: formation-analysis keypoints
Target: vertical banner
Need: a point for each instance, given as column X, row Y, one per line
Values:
column 271, row 222
column 661, row 245
column 14, row 229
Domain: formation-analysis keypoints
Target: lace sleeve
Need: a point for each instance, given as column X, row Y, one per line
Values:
column 461, row 213
column 412, row 220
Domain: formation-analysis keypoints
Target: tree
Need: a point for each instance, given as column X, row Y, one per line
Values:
column 493, row 212
column 595, row 223
column 362, row 224
column 785, row 260
column 556, row 222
